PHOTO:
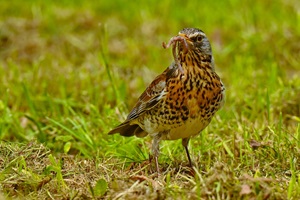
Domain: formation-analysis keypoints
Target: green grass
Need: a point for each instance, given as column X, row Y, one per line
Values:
column 71, row 70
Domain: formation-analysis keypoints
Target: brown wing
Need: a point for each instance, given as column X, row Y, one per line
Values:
column 148, row 100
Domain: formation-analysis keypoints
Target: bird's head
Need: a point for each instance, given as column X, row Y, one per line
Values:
column 196, row 41
column 191, row 46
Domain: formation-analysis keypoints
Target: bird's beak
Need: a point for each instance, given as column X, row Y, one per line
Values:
column 184, row 36
column 186, row 42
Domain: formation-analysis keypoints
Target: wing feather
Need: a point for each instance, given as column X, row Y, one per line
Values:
column 150, row 98
column 154, row 93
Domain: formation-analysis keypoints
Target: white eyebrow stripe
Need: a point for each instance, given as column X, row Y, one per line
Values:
column 198, row 33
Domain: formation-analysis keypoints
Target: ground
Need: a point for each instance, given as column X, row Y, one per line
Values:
column 72, row 70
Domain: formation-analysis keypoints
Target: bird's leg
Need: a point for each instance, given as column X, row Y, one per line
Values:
column 185, row 142
column 155, row 150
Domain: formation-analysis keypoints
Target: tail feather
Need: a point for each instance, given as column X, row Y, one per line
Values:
column 127, row 130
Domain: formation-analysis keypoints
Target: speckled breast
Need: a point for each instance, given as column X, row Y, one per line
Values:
column 190, row 103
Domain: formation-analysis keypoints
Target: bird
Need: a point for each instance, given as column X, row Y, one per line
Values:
column 180, row 102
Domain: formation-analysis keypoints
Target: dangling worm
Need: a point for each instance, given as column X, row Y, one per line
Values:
column 174, row 41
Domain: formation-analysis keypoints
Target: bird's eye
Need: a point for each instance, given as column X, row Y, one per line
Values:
column 199, row 38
